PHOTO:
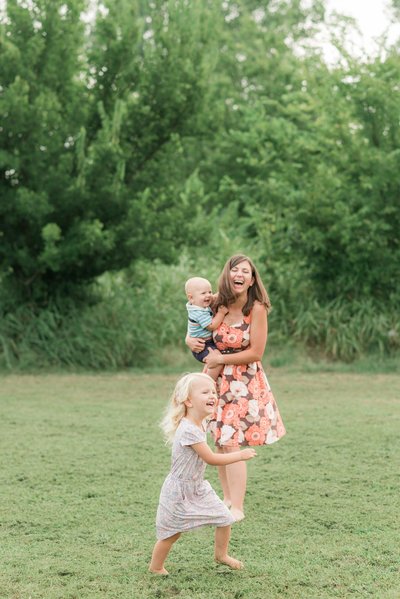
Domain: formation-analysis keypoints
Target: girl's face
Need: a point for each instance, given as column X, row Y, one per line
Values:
column 241, row 277
column 202, row 398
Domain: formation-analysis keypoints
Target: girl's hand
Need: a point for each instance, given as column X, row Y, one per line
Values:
column 248, row 454
column 195, row 344
column 213, row 359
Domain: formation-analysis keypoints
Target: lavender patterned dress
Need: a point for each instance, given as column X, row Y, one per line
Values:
column 187, row 501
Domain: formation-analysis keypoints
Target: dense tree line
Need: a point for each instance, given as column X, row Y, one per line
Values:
column 132, row 133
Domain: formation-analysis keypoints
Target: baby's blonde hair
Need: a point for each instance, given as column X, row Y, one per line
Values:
column 176, row 409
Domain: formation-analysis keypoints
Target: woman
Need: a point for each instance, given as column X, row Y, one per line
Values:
column 247, row 414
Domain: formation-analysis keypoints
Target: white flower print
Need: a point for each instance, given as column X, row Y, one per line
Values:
column 226, row 433
column 270, row 411
column 253, row 408
column 271, row 437
column 238, row 389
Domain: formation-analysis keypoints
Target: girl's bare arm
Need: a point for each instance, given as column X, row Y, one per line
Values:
column 222, row 459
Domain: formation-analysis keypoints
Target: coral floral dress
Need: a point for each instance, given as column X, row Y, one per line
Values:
column 247, row 413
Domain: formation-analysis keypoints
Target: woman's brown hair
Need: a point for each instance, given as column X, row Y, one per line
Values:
column 256, row 292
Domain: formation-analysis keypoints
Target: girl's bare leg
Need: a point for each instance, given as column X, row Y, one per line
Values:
column 222, row 536
column 236, row 476
column 160, row 552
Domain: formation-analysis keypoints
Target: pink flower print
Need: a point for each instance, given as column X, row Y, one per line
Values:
column 254, row 435
column 242, row 407
column 230, row 414
column 238, row 371
column 254, row 387
column 232, row 338
column 224, row 387
column 266, row 381
column 238, row 389
column 280, row 429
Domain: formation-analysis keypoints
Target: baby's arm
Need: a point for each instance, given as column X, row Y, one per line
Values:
column 222, row 459
column 218, row 318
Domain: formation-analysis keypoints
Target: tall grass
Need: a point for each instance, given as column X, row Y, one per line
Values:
column 347, row 330
column 140, row 320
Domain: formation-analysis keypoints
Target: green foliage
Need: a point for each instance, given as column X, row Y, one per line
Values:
column 180, row 133
column 86, row 122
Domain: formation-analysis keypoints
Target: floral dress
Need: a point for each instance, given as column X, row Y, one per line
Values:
column 247, row 413
column 187, row 501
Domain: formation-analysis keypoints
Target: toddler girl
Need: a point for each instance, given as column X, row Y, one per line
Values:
column 187, row 501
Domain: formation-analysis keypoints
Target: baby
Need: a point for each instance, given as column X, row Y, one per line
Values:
column 201, row 320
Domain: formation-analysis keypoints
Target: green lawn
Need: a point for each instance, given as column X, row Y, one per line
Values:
column 82, row 465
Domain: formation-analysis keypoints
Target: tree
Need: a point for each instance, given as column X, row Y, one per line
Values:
column 88, row 117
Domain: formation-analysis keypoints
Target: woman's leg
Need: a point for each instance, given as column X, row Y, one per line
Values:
column 222, row 536
column 224, row 481
column 236, row 476
column 160, row 553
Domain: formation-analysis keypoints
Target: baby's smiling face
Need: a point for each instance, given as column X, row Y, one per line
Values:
column 199, row 292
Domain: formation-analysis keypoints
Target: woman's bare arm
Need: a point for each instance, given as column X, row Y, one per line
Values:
column 195, row 344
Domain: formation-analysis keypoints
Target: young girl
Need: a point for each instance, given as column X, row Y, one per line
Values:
column 187, row 501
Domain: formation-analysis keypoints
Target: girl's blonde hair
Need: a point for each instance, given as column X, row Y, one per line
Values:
column 176, row 409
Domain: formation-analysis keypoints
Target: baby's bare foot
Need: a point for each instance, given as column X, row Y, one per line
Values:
column 163, row 571
column 237, row 514
column 233, row 563
column 227, row 502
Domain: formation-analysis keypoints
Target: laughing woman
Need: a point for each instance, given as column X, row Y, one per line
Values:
column 247, row 414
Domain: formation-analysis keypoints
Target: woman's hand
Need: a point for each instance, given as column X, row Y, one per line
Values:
column 213, row 359
column 195, row 343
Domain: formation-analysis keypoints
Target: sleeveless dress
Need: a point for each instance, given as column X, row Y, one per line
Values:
column 187, row 501
column 247, row 413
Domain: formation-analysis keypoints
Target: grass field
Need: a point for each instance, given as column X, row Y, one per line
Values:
column 83, row 462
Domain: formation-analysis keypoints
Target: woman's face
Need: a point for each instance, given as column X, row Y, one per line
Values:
column 241, row 277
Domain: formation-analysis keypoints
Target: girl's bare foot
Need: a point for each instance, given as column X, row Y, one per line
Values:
column 163, row 571
column 233, row 563
column 237, row 514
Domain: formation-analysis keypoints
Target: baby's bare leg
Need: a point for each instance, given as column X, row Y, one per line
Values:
column 222, row 536
column 214, row 372
column 160, row 553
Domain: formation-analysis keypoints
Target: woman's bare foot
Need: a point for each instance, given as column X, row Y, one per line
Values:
column 233, row 563
column 163, row 571
column 237, row 514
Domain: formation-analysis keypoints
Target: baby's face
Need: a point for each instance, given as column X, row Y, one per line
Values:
column 201, row 294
